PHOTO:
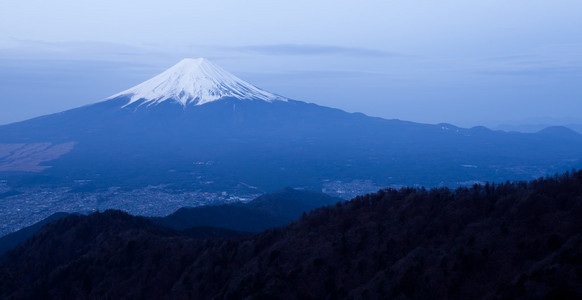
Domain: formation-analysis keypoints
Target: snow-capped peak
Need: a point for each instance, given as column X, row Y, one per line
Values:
column 194, row 81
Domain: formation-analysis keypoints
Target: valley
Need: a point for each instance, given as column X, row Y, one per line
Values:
column 514, row 240
column 196, row 135
column 33, row 204
column 292, row 150
column 29, row 204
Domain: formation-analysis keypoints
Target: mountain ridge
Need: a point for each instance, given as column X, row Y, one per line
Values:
column 266, row 211
column 273, row 144
column 513, row 240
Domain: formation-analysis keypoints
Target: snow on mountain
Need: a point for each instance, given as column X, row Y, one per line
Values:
column 194, row 82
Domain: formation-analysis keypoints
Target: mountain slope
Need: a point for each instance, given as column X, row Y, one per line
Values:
column 232, row 217
column 267, row 211
column 507, row 241
column 11, row 240
column 289, row 204
column 194, row 82
column 175, row 130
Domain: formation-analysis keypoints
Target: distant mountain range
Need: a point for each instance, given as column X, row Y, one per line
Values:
column 519, row 240
column 535, row 127
column 196, row 126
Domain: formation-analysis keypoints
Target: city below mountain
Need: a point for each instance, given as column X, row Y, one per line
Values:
column 292, row 150
column 197, row 127
column 267, row 211
column 196, row 134
column 187, row 151
column 519, row 240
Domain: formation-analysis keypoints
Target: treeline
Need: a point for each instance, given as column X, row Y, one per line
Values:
column 494, row 241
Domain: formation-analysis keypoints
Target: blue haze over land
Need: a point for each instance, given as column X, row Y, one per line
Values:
column 505, row 65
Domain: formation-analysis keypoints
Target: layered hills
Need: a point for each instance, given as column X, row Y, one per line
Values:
column 267, row 211
column 514, row 240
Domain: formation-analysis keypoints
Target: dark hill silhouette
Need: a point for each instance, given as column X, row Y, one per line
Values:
column 519, row 240
column 205, row 232
column 225, row 216
column 10, row 241
column 267, row 211
column 291, row 203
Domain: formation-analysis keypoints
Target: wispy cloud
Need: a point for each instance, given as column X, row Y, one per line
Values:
column 538, row 71
column 311, row 49
column 519, row 59
column 551, row 60
column 75, row 51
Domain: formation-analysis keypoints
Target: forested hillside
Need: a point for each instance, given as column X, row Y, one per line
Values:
column 497, row 241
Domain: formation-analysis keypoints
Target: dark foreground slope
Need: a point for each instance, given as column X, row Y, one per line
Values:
column 507, row 241
column 267, row 211
column 10, row 241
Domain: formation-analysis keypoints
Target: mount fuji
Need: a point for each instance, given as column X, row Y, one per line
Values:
column 196, row 126
column 194, row 82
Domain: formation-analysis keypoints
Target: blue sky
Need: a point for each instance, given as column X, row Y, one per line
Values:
column 466, row 63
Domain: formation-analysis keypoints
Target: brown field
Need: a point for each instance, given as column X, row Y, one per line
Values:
column 28, row 157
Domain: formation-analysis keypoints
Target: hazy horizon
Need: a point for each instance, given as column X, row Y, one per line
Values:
column 489, row 63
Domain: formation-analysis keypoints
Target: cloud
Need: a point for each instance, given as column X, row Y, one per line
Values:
column 547, row 61
column 519, row 59
column 320, row 73
column 306, row 49
column 75, row 51
column 538, row 71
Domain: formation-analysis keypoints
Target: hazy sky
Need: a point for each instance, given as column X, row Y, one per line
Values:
column 482, row 62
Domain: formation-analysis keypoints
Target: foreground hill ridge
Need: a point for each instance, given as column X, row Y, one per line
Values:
column 11, row 240
column 266, row 211
column 494, row 241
